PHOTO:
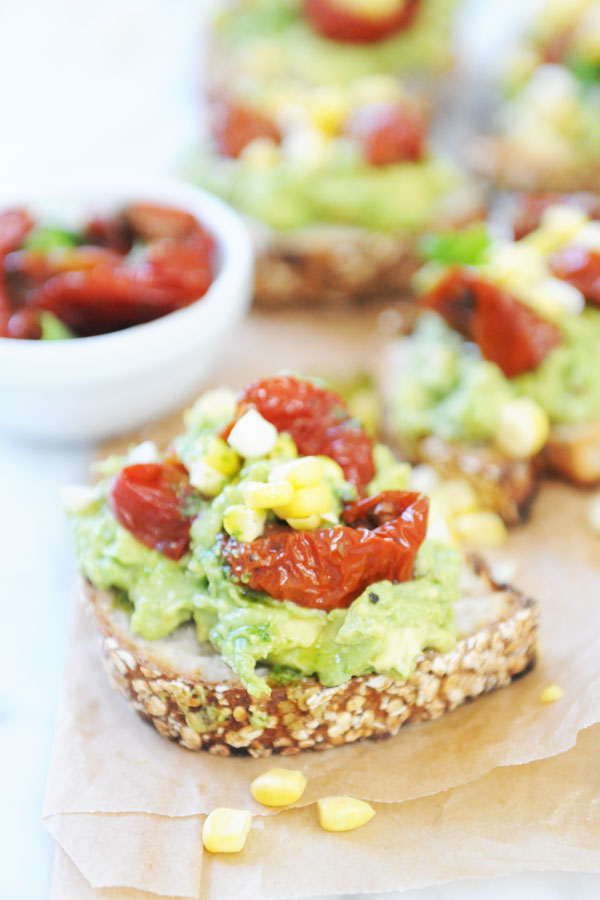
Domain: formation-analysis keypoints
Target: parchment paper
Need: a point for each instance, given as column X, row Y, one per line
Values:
column 544, row 815
column 107, row 761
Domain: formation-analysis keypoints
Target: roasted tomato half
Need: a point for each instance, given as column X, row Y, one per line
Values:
column 149, row 500
column 581, row 268
column 328, row 568
column 235, row 126
column 506, row 331
column 356, row 23
column 388, row 133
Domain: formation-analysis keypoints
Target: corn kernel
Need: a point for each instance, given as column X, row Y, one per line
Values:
column 302, row 472
column 252, row 436
column 278, row 787
column 284, row 448
column 226, row 830
column 258, row 495
column 146, row 452
column 206, row 479
column 515, row 265
column 308, row 523
column 563, row 219
column 216, row 404
column 523, row 428
column 453, row 497
column 588, row 236
column 222, row 458
column 328, row 109
column 479, row 529
column 552, row 693
column 244, row 524
column 438, row 530
column 343, row 813
column 332, row 471
column 261, row 153
column 306, row 501
column 553, row 298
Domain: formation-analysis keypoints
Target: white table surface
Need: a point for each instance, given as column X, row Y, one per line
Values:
column 83, row 85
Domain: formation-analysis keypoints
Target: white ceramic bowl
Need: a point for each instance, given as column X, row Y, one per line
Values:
column 94, row 387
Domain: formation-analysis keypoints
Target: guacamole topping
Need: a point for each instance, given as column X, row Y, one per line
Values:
column 449, row 390
column 383, row 630
column 342, row 189
column 273, row 38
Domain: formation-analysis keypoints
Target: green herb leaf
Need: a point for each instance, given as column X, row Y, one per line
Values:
column 468, row 246
column 45, row 238
column 53, row 329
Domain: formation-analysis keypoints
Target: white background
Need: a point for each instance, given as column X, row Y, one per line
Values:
column 111, row 85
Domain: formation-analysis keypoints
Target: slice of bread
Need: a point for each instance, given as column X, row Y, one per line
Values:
column 333, row 267
column 190, row 695
column 514, row 166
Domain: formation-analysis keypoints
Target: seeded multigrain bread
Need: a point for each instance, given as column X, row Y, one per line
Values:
column 339, row 267
column 191, row 696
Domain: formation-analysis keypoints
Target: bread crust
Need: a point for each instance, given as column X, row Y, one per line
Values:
column 338, row 268
column 221, row 717
column 506, row 486
column 509, row 166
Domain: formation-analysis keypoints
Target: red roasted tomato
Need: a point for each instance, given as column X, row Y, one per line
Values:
column 328, row 568
column 336, row 19
column 317, row 420
column 149, row 500
column 14, row 225
column 506, row 331
column 581, row 268
column 388, row 133
column 235, row 126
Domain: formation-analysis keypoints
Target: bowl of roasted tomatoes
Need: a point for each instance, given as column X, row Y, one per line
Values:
column 116, row 299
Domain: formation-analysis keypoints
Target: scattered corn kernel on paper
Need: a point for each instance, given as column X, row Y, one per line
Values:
column 538, row 816
column 110, row 768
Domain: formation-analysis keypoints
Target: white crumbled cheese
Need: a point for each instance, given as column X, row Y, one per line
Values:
column 146, row 452
column 307, row 148
column 423, row 479
column 205, row 478
column 588, row 237
column 77, row 498
column 252, row 436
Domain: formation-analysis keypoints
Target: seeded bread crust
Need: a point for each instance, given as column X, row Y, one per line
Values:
column 509, row 166
column 506, row 486
column 334, row 268
column 205, row 706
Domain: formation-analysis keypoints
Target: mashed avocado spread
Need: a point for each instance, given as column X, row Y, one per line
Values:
column 344, row 190
column 383, row 630
column 296, row 50
column 448, row 390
